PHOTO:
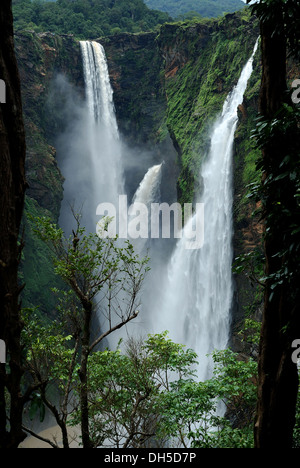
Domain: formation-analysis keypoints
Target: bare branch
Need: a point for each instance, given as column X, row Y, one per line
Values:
column 111, row 330
column 43, row 439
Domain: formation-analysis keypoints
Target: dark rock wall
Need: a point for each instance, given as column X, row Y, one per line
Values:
column 40, row 58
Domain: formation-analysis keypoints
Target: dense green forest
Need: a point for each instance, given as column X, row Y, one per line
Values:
column 86, row 18
column 205, row 8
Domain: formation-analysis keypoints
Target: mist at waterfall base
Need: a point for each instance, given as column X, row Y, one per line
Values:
column 188, row 293
column 87, row 184
column 82, row 179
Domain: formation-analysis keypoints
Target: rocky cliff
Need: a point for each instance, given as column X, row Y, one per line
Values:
column 40, row 57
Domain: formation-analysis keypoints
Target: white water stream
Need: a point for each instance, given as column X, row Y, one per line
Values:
column 146, row 194
column 93, row 161
column 102, row 140
column 197, row 298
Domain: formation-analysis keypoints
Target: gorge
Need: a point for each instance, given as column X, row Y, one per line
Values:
column 153, row 149
column 179, row 70
column 150, row 225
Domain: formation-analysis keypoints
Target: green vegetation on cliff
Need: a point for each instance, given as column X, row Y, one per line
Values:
column 86, row 19
column 36, row 267
column 135, row 58
column 204, row 60
column 39, row 57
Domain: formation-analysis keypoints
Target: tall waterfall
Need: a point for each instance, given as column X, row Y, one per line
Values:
column 93, row 164
column 199, row 291
column 99, row 92
column 103, row 138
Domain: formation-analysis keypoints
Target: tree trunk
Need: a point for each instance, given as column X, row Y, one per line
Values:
column 12, row 183
column 83, row 375
column 278, row 377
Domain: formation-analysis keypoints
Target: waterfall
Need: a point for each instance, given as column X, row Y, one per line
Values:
column 197, row 303
column 93, row 161
column 149, row 186
column 103, row 138
column 146, row 194
column 99, row 92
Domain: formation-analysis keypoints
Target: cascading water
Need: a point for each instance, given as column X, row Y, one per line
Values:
column 103, row 138
column 93, row 164
column 146, row 194
column 99, row 92
column 199, row 291
column 148, row 188
column 92, row 159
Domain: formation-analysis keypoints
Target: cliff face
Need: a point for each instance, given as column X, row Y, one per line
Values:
column 173, row 83
column 203, row 62
column 135, row 65
column 168, row 89
column 248, row 228
column 40, row 57
column 136, row 68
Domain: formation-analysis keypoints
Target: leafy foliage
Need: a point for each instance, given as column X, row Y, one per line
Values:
column 296, row 433
column 270, row 10
column 146, row 394
column 86, row 19
column 90, row 264
column 36, row 268
column 95, row 271
column 126, row 390
column 186, row 8
column 284, row 216
column 151, row 392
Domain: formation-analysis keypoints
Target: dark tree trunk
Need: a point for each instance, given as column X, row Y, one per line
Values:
column 83, row 375
column 278, row 379
column 12, row 183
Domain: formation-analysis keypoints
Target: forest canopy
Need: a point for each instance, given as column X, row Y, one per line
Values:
column 205, row 8
column 86, row 19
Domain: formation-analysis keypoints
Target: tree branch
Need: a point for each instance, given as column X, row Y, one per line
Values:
column 43, row 439
column 111, row 330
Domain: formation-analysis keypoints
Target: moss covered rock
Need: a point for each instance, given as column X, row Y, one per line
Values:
column 203, row 61
column 40, row 57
